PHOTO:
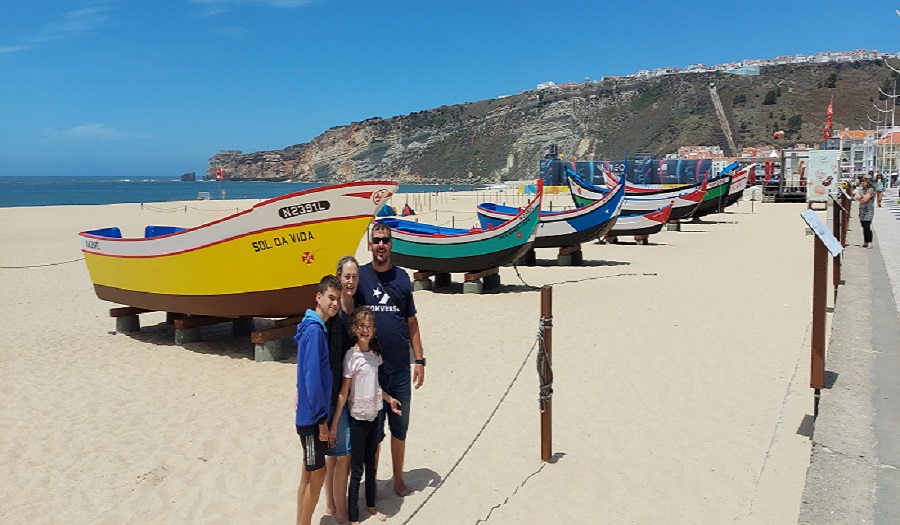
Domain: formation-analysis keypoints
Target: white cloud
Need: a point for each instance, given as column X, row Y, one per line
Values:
column 95, row 131
column 71, row 24
column 215, row 7
column 12, row 49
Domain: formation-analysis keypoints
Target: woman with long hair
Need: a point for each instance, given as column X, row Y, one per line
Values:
column 340, row 339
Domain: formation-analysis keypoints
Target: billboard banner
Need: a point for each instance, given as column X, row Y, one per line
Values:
column 823, row 173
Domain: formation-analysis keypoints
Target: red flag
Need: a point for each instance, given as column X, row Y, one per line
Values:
column 827, row 133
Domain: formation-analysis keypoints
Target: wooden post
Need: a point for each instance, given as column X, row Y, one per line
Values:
column 836, row 221
column 819, row 303
column 546, row 415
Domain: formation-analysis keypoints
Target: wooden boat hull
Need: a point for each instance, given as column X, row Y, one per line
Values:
column 716, row 195
column 563, row 228
column 262, row 262
column 738, row 185
column 431, row 248
column 684, row 203
column 646, row 224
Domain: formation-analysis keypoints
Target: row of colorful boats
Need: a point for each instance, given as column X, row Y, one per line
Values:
column 267, row 261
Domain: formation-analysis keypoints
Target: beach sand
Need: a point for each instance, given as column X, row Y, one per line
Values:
column 681, row 386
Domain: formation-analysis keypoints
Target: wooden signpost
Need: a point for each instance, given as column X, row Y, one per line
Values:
column 825, row 242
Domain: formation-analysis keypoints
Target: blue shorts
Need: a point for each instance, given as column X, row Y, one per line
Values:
column 399, row 386
column 342, row 445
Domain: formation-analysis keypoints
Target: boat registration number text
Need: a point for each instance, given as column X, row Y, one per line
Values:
column 302, row 209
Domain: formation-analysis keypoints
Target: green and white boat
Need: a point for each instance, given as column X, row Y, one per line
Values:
column 430, row 248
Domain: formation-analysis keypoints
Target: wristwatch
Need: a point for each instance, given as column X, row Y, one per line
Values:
column 420, row 361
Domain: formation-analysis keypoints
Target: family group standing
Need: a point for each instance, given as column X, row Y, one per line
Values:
column 353, row 373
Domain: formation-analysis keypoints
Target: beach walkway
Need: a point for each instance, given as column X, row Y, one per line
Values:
column 854, row 473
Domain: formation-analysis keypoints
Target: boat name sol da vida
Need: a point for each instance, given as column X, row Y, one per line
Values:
column 281, row 240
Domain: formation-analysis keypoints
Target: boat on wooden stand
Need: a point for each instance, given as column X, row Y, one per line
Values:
column 438, row 249
column 558, row 229
column 262, row 262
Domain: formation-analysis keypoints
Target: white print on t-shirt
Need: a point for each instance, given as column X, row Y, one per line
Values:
column 383, row 299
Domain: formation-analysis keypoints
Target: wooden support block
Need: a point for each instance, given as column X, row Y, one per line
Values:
column 673, row 226
column 171, row 316
column 126, row 311
column 197, row 321
column 569, row 256
column 424, row 275
column 474, row 276
column 273, row 334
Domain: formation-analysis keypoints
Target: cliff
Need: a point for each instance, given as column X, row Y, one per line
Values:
column 502, row 139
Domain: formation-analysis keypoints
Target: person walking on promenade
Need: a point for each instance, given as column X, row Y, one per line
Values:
column 879, row 188
column 388, row 291
column 865, row 194
column 314, row 381
column 340, row 339
column 360, row 390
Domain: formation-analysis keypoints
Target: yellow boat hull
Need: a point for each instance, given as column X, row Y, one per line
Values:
column 264, row 262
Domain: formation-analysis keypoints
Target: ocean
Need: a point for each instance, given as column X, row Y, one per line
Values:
column 62, row 190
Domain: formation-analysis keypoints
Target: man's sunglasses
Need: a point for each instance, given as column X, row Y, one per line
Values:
column 381, row 240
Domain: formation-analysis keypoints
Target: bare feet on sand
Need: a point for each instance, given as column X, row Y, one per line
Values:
column 378, row 514
column 401, row 490
column 340, row 517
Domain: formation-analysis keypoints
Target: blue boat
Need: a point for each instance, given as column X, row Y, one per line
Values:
column 559, row 229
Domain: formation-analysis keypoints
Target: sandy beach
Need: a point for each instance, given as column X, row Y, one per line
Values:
column 681, row 386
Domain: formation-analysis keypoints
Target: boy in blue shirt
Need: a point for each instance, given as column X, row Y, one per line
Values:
column 314, row 379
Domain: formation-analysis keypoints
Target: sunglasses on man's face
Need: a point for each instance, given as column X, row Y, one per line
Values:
column 381, row 240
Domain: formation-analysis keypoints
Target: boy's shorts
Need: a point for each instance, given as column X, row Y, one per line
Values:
column 313, row 449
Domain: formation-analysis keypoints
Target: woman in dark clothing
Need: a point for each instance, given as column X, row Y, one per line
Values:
column 340, row 339
column 866, row 197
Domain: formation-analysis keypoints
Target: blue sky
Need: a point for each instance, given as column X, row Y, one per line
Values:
column 108, row 87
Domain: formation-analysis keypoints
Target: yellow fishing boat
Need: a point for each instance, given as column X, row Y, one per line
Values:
column 262, row 262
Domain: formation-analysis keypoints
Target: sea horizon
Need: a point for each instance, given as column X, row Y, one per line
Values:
column 78, row 190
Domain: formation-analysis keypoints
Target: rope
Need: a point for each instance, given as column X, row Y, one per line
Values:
column 480, row 431
column 573, row 281
column 544, row 371
column 40, row 265
column 183, row 208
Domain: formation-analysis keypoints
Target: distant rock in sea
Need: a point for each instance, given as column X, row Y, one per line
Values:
column 189, row 176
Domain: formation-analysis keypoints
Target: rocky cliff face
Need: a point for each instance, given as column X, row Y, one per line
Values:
column 503, row 139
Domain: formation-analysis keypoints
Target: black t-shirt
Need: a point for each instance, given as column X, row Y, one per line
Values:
column 340, row 339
